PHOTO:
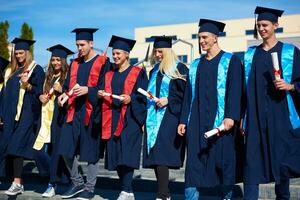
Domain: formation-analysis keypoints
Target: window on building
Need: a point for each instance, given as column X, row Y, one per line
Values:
column 279, row 30
column 249, row 32
column 240, row 55
column 183, row 58
column 194, row 36
column 133, row 61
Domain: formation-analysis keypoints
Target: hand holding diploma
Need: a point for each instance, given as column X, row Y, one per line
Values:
column 65, row 96
column 102, row 93
column 276, row 68
column 215, row 131
column 147, row 94
column 226, row 125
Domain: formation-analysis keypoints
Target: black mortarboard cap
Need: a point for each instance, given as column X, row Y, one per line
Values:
column 22, row 44
column 60, row 51
column 162, row 42
column 211, row 26
column 84, row 33
column 269, row 14
column 125, row 44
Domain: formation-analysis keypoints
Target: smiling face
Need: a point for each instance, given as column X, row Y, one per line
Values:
column 158, row 54
column 266, row 29
column 20, row 56
column 56, row 63
column 207, row 40
column 120, row 56
column 84, row 47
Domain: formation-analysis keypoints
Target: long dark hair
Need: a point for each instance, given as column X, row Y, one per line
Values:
column 50, row 74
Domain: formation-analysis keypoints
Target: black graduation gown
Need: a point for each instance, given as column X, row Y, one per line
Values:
column 270, row 140
column 211, row 162
column 76, row 138
column 126, row 149
column 18, row 137
column 169, row 146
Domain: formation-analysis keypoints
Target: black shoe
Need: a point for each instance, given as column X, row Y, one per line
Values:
column 85, row 195
column 72, row 191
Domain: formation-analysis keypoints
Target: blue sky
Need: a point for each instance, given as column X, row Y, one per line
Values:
column 53, row 22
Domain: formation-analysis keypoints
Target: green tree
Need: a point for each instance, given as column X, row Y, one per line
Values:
column 27, row 33
column 4, row 52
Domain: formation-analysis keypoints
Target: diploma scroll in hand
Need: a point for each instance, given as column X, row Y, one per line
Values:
column 147, row 94
column 68, row 94
column 113, row 96
column 52, row 89
column 275, row 62
column 215, row 131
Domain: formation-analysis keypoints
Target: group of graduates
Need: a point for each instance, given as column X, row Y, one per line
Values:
column 94, row 108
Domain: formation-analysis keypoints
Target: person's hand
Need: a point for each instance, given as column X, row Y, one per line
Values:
column 280, row 84
column 60, row 98
column 44, row 98
column 100, row 93
column 57, row 87
column 80, row 90
column 228, row 124
column 162, row 102
column 181, row 129
column 24, row 79
column 126, row 99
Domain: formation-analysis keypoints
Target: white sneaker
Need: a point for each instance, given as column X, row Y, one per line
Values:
column 15, row 189
column 169, row 198
column 50, row 191
column 126, row 196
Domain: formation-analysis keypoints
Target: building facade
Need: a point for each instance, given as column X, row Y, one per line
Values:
column 236, row 38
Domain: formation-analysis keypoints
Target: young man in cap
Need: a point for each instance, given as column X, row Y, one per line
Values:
column 212, row 98
column 272, row 109
column 80, row 140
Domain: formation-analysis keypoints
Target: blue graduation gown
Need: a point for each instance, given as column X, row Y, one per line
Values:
column 169, row 147
column 80, row 139
column 18, row 137
column 211, row 162
column 126, row 149
column 270, row 141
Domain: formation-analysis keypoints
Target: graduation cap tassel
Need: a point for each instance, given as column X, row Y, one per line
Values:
column 147, row 54
column 199, row 46
column 255, row 34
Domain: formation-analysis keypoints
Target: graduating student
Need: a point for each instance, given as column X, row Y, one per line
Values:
column 212, row 98
column 163, row 147
column 122, row 120
column 272, row 114
column 80, row 139
column 3, row 78
column 52, row 116
column 20, row 110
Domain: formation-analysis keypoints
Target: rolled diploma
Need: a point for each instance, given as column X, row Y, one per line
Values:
column 52, row 89
column 214, row 131
column 275, row 64
column 66, row 97
column 113, row 96
column 145, row 93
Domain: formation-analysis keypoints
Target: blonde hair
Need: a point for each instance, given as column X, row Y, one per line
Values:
column 168, row 65
column 14, row 63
